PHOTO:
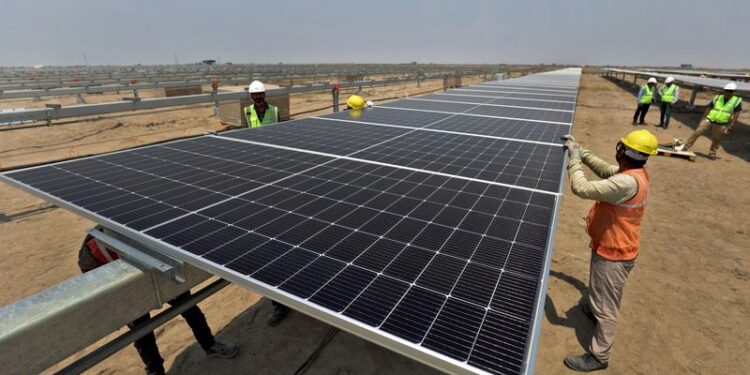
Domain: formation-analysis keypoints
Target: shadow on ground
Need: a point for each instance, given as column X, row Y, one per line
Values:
column 574, row 317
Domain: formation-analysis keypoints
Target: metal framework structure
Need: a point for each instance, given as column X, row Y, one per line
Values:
column 698, row 84
column 81, row 76
column 125, row 86
column 59, row 112
column 103, row 301
column 703, row 73
column 84, row 76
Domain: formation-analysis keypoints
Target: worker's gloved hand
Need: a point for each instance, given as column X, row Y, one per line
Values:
column 574, row 153
column 570, row 142
column 727, row 130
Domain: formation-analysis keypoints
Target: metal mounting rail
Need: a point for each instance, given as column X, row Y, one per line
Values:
column 49, row 114
column 44, row 329
column 148, row 260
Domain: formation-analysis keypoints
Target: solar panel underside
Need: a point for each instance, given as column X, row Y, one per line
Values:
column 426, row 229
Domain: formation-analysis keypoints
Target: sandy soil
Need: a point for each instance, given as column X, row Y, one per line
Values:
column 686, row 310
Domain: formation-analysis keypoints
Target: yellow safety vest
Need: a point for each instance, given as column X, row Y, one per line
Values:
column 270, row 117
column 648, row 95
column 667, row 93
column 722, row 112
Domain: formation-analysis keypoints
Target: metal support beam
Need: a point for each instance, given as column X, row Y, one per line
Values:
column 90, row 360
column 135, row 104
column 43, row 329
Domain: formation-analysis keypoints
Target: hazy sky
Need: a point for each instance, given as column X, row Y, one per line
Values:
column 705, row 33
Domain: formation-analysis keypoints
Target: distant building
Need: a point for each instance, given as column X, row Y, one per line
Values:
column 686, row 66
column 208, row 62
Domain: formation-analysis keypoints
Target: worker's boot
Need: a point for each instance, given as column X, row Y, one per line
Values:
column 584, row 363
column 222, row 350
column 279, row 313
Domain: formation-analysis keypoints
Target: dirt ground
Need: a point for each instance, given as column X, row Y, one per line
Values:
column 687, row 302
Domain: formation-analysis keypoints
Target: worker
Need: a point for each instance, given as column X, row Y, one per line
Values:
column 668, row 95
column 91, row 256
column 614, row 226
column 355, row 104
column 721, row 116
column 645, row 98
column 260, row 113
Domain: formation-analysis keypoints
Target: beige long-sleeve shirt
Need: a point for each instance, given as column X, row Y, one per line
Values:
column 614, row 187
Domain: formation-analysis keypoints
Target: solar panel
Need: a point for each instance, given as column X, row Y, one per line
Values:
column 507, row 128
column 477, row 125
column 523, row 95
column 557, row 116
column 537, row 166
column 319, row 135
column 457, row 98
column 527, row 111
column 507, row 101
column 423, row 231
column 430, row 106
column 391, row 117
column 531, row 88
column 562, row 105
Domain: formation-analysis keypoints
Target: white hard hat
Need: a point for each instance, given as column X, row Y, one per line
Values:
column 256, row 86
column 652, row 80
column 669, row 80
column 731, row 86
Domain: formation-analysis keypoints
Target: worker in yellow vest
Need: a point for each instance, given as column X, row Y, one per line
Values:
column 668, row 95
column 260, row 113
column 721, row 116
column 614, row 226
column 645, row 98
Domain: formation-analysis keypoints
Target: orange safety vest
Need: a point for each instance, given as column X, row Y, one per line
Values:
column 615, row 229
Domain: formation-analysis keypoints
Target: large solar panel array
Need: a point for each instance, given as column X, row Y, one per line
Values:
column 423, row 224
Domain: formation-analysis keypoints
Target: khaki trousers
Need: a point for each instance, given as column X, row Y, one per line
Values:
column 606, row 285
column 716, row 133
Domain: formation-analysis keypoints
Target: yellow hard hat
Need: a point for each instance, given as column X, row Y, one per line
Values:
column 642, row 141
column 355, row 102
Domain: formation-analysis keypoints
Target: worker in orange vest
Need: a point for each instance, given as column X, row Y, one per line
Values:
column 614, row 225
column 91, row 256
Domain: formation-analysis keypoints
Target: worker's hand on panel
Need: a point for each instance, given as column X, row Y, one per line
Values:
column 571, row 144
column 568, row 137
column 574, row 152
